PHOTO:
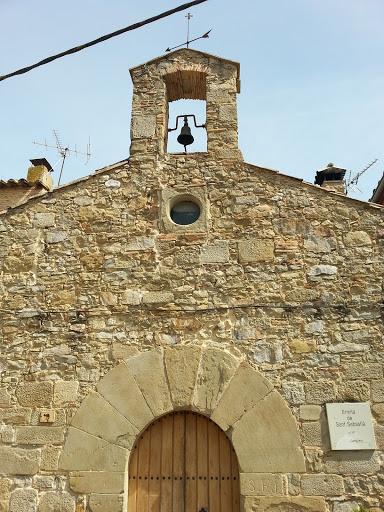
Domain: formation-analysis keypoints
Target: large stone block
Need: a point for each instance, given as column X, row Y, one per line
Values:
column 55, row 237
column 316, row 434
column 85, row 452
column 378, row 412
column 218, row 252
column 17, row 461
column 293, row 392
column 5, row 489
column 143, row 127
column 320, row 392
column 104, row 502
column 43, row 482
column 379, row 435
column 357, row 239
column 35, row 394
column 5, row 398
column 65, row 392
column 162, row 297
column 215, row 372
column 56, row 502
column 39, row 435
column 322, row 485
column 148, row 370
column 255, row 250
column 235, row 402
column 284, row 504
column 120, row 389
column 348, row 506
column 86, row 482
column 182, row 364
column 363, row 371
column 50, row 458
column 227, row 113
column 23, row 500
column 377, row 389
column 15, row 416
column 44, row 220
column 266, row 438
column 261, row 484
column 364, row 461
column 354, row 391
column 97, row 416
column 310, row 412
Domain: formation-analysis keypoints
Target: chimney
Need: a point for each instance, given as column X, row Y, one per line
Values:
column 331, row 178
column 39, row 182
column 40, row 173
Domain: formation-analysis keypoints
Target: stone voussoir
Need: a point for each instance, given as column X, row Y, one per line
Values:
column 85, row 452
column 148, row 370
column 234, row 403
column 216, row 371
column 182, row 364
column 120, row 389
column 99, row 418
column 280, row 450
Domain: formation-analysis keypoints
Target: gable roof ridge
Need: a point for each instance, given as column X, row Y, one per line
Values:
column 180, row 50
column 65, row 185
column 316, row 187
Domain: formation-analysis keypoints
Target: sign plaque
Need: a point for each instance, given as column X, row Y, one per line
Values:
column 350, row 426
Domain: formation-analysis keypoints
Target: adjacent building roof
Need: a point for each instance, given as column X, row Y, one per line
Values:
column 16, row 183
column 378, row 193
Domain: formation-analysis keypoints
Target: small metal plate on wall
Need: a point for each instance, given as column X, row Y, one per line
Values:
column 47, row 416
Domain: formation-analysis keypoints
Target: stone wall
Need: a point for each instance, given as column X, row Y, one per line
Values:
column 285, row 274
column 280, row 275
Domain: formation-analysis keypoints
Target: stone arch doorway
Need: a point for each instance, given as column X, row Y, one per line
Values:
column 203, row 379
column 183, row 461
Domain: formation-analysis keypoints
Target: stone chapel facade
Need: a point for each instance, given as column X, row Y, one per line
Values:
column 150, row 365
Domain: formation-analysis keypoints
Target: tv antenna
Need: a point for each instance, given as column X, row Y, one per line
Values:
column 205, row 36
column 351, row 181
column 65, row 151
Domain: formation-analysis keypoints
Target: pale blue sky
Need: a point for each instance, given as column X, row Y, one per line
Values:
column 312, row 75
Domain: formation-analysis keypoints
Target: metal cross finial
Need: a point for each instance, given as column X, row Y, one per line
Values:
column 206, row 35
column 189, row 16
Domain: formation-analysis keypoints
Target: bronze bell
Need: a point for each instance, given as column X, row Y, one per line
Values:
column 185, row 138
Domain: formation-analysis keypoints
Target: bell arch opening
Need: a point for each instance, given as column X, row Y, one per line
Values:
column 183, row 461
column 186, row 96
column 182, row 107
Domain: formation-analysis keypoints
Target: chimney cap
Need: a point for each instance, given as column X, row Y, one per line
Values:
column 330, row 173
column 41, row 161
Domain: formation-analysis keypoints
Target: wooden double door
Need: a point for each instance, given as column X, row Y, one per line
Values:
column 183, row 462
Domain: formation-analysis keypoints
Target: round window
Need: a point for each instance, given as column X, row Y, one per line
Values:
column 185, row 212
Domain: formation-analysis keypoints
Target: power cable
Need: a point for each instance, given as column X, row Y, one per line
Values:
column 103, row 38
column 143, row 309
